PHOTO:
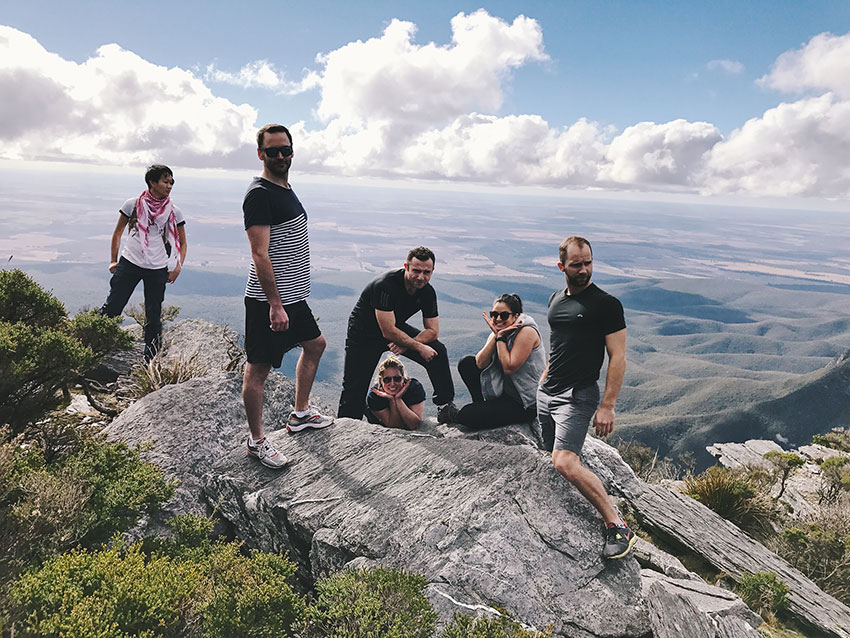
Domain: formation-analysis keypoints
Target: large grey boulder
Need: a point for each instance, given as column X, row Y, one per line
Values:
column 690, row 607
column 187, row 428
column 206, row 346
column 488, row 525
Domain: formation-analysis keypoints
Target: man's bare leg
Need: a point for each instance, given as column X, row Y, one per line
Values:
column 253, row 389
column 570, row 467
column 305, row 371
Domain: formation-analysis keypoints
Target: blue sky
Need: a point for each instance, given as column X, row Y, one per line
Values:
column 644, row 96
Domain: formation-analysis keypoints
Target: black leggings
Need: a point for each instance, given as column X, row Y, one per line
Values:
column 494, row 412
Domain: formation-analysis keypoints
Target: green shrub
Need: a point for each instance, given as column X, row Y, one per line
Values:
column 838, row 439
column 85, row 497
column 785, row 463
column 124, row 487
column 501, row 627
column 739, row 496
column 764, row 593
column 248, row 597
column 835, row 478
column 110, row 593
column 210, row 590
column 366, row 603
column 821, row 550
column 42, row 350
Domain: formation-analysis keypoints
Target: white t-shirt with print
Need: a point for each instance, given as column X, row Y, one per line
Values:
column 155, row 256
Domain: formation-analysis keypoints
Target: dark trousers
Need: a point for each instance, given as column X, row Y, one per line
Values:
column 124, row 281
column 361, row 359
column 493, row 412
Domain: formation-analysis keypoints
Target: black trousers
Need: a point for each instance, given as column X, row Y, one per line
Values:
column 124, row 281
column 493, row 412
column 361, row 359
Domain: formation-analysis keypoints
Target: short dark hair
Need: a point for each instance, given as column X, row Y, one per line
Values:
column 272, row 128
column 421, row 253
column 572, row 239
column 511, row 300
column 155, row 173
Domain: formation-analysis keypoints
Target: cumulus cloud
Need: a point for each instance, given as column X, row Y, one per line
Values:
column 822, row 64
column 732, row 67
column 795, row 149
column 114, row 107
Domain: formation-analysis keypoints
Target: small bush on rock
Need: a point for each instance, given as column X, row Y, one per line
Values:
column 739, row 496
column 501, row 627
column 764, row 593
column 158, row 373
column 835, row 477
column 838, row 439
column 366, row 603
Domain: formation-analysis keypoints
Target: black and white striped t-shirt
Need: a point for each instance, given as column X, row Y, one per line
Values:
column 267, row 204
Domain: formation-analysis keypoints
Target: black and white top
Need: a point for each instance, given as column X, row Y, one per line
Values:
column 267, row 204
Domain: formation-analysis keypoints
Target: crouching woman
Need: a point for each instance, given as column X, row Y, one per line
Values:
column 503, row 377
column 395, row 401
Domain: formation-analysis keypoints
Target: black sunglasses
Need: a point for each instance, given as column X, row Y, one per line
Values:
column 274, row 151
column 504, row 315
column 395, row 379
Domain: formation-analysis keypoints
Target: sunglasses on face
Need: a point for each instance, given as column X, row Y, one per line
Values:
column 504, row 315
column 274, row 151
column 395, row 379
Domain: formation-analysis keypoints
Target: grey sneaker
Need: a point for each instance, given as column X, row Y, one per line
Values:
column 313, row 419
column 447, row 413
column 619, row 540
column 267, row 454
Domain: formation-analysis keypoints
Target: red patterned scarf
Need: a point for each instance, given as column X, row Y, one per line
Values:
column 148, row 210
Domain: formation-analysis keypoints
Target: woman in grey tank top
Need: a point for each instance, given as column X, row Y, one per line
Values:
column 503, row 377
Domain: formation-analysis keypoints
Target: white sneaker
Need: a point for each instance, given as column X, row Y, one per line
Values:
column 313, row 419
column 267, row 454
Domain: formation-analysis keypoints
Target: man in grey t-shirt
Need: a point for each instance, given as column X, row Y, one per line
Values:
column 585, row 322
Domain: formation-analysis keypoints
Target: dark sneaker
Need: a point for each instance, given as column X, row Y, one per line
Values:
column 619, row 540
column 267, row 454
column 447, row 413
column 313, row 419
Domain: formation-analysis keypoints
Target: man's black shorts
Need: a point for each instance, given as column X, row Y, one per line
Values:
column 262, row 344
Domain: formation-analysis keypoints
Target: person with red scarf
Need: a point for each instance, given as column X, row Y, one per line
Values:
column 154, row 252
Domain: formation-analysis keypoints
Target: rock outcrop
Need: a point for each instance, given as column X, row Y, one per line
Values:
column 801, row 488
column 483, row 516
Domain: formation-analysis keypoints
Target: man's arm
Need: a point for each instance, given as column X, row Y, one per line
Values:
column 258, row 238
column 386, row 322
column 115, row 244
column 431, row 330
column 181, row 235
column 615, row 344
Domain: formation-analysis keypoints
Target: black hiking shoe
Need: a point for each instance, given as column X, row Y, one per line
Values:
column 447, row 413
column 619, row 540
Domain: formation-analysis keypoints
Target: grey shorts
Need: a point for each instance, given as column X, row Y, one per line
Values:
column 564, row 418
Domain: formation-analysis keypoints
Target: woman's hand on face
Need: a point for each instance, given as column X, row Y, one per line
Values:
column 504, row 332
column 490, row 324
column 381, row 393
column 402, row 389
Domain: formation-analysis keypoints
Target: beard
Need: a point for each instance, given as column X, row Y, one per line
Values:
column 278, row 168
column 579, row 281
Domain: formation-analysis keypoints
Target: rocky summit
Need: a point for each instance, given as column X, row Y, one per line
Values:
column 483, row 517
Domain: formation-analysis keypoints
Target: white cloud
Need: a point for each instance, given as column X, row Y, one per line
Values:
column 732, row 67
column 115, row 107
column 414, row 86
column 261, row 74
column 793, row 149
column 822, row 64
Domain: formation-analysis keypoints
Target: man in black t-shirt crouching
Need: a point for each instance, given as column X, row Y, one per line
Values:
column 378, row 323
column 584, row 323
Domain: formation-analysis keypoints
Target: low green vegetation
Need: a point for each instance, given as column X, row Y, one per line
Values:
column 738, row 495
column 500, row 627
column 763, row 592
column 42, row 350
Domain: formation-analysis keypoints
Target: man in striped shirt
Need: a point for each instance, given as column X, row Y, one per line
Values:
column 277, row 317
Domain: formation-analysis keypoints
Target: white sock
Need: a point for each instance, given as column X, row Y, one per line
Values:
column 256, row 442
column 302, row 413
